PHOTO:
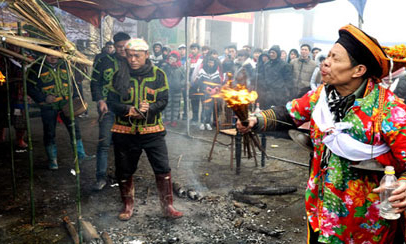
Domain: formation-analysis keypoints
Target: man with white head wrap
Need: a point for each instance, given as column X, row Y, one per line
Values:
column 141, row 94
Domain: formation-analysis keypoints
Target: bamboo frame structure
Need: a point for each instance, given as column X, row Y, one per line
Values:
column 75, row 150
column 10, row 137
column 16, row 55
column 30, row 149
column 15, row 41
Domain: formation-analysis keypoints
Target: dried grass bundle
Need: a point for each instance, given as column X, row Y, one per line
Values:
column 41, row 16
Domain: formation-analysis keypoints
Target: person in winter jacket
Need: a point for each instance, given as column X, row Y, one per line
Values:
column 244, row 61
column 303, row 68
column 165, row 52
column 278, row 77
column 176, row 76
column 157, row 57
column 207, row 79
column 195, row 99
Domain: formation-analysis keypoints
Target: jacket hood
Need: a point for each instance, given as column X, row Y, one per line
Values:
column 157, row 43
column 277, row 49
column 319, row 57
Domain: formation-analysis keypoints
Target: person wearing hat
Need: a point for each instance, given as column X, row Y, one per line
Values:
column 182, row 53
column 157, row 57
column 140, row 95
column 104, row 69
column 352, row 119
column 48, row 86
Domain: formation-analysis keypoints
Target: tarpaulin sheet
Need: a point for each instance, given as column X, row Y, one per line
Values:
column 92, row 10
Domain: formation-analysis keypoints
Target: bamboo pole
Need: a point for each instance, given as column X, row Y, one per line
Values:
column 75, row 150
column 16, row 55
column 10, row 138
column 11, row 40
column 30, row 152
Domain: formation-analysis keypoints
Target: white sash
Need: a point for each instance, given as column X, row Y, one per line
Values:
column 338, row 142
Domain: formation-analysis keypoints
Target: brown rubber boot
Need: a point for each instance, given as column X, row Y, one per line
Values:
column 164, row 184
column 127, row 196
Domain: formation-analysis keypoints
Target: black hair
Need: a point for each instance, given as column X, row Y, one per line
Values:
column 292, row 51
column 194, row 45
column 257, row 50
column 206, row 48
column 109, row 43
column 316, row 48
column 212, row 51
column 306, row 45
column 244, row 53
column 233, row 47
column 121, row 36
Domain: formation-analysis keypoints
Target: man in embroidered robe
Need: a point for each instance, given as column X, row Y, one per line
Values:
column 140, row 95
column 352, row 119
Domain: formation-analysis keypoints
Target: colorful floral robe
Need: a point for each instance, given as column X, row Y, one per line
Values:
column 339, row 199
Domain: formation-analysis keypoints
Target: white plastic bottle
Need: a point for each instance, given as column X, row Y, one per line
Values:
column 389, row 183
column 257, row 109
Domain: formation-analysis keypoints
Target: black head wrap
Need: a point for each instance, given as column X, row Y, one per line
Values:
column 360, row 52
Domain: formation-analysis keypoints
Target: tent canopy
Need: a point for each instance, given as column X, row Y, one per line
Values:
column 92, row 10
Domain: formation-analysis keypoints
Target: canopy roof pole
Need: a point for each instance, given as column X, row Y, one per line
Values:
column 101, row 32
column 27, row 117
column 263, row 29
column 360, row 21
column 10, row 138
column 187, row 77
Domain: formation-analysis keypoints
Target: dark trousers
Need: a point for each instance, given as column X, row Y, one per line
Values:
column 185, row 108
column 49, row 115
column 208, row 108
column 103, row 147
column 194, row 101
column 128, row 149
column 172, row 110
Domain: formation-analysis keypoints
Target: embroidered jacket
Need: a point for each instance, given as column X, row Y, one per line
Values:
column 49, row 80
column 102, row 76
column 153, row 88
column 339, row 199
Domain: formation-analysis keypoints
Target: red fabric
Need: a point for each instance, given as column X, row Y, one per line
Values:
column 91, row 10
column 193, row 59
column 58, row 118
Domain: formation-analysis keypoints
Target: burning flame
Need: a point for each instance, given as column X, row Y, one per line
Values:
column 2, row 79
column 237, row 96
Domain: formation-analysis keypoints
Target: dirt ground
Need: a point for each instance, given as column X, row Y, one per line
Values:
column 215, row 218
